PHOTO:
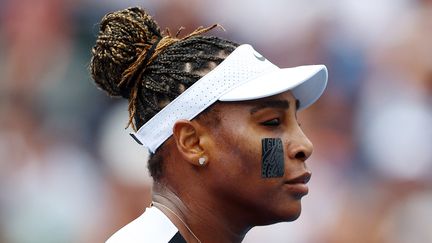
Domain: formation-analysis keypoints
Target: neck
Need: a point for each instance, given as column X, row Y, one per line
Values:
column 199, row 219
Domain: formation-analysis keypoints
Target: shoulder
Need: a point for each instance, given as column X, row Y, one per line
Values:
column 151, row 226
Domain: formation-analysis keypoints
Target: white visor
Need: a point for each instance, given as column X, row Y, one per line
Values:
column 243, row 75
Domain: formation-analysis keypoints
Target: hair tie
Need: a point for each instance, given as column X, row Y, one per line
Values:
column 133, row 73
column 151, row 51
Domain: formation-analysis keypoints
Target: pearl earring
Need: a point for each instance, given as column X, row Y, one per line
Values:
column 202, row 161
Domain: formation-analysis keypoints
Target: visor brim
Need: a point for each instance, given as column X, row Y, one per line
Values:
column 307, row 84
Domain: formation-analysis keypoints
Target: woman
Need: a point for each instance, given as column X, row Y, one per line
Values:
column 219, row 119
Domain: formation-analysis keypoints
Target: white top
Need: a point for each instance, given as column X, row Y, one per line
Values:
column 152, row 226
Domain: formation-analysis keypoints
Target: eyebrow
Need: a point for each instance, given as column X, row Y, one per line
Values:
column 281, row 104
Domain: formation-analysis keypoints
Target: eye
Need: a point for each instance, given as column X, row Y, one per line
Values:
column 272, row 122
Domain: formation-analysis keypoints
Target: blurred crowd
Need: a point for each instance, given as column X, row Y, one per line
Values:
column 69, row 172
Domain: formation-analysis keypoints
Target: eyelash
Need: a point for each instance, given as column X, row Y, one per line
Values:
column 272, row 122
column 275, row 122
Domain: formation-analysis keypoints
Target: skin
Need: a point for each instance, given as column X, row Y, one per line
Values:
column 224, row 199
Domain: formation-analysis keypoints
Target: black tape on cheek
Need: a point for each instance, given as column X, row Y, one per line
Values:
column 273, row 164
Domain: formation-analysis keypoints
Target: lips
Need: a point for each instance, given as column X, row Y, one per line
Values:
column 303, row 178
column 297, row 185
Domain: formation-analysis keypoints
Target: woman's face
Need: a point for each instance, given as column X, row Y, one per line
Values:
column 235, row 159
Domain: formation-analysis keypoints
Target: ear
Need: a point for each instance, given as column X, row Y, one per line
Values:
column 190, row 140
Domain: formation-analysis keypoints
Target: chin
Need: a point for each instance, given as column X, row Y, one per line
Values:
column 294, row 216
column 290, row 211
column 290, row 215
column 287, row 213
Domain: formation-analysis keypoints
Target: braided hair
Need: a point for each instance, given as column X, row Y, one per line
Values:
column 133, row 59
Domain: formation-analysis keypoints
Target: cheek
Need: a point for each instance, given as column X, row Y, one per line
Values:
column 238, row 151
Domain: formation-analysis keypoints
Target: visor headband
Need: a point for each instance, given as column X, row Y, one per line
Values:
column 242, row 65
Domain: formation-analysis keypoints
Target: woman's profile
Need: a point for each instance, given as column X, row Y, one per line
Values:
column 219, row 119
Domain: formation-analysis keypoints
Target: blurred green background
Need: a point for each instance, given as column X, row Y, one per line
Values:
column 69, row 172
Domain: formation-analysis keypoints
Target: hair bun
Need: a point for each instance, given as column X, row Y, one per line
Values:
column 123, row 36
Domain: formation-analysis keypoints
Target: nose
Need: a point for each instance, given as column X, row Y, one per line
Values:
column 300, row 147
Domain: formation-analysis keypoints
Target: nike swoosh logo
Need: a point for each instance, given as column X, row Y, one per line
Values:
column 259, row 57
